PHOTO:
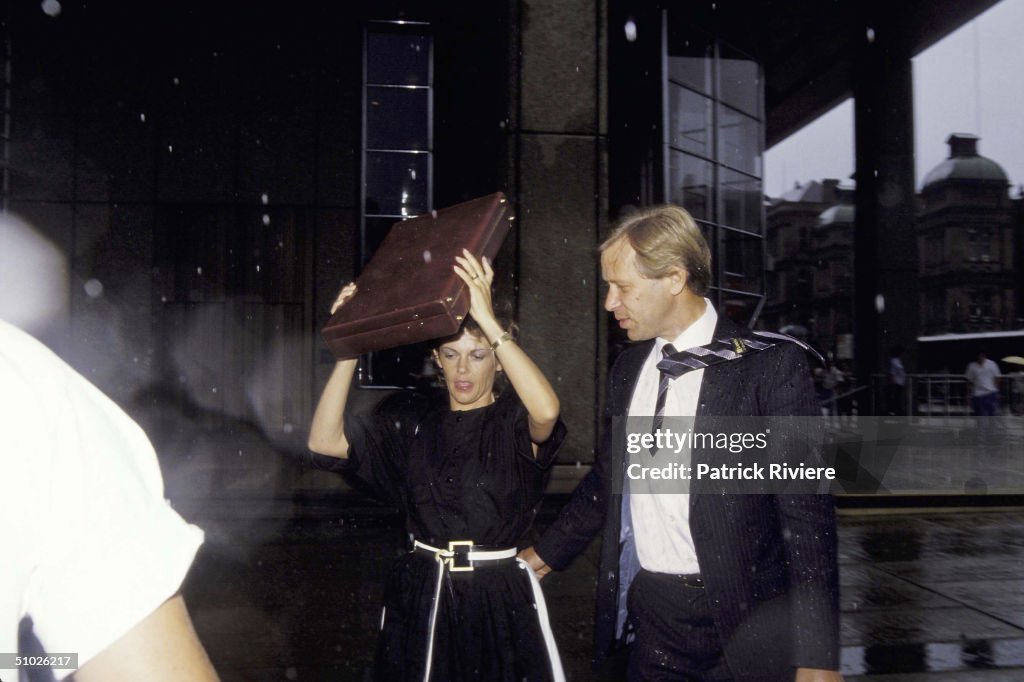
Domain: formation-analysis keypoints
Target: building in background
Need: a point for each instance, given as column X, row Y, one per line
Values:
column 810, row 263
column 969, row 238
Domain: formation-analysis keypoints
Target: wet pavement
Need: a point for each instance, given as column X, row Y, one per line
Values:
column 292, row 590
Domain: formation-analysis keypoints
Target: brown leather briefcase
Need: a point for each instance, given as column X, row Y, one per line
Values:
column 408, row 291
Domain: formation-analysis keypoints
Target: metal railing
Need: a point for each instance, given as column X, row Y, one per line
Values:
column 935, row 395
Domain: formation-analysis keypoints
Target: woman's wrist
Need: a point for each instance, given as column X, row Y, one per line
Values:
column 491, row 329
column 500, row 340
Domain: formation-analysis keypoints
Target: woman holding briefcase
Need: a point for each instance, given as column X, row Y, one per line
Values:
column 468, row 477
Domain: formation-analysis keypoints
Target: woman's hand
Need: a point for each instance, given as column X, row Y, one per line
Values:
column 478, row 276
column 344, row 296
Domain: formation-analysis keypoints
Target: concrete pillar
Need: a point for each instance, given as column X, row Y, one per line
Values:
column 885, row 247
column 560, row 176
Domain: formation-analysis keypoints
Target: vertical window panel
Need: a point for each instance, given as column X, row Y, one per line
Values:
column 741, row 200
column 397, row 184
column 742, row 261
column 397, row 58
column 397, row 118
column 397, row 159
column 689, row 121
column 739, row 141
column 691, row 184
column 740, row 81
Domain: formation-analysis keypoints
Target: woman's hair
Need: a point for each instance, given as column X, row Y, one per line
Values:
column 666, row 237
column 502, row 314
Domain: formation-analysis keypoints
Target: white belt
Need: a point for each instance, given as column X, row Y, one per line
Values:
column 447, row 561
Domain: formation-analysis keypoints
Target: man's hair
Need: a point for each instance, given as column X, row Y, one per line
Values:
column 666, row 237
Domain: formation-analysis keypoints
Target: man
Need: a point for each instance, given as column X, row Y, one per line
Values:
column 728, row 587
column 94, row 555
column 983, row 375
column 897, row 386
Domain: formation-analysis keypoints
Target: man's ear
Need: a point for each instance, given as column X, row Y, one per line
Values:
column 678, row 279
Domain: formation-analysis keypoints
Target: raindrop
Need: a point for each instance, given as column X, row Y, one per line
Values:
column 199, row 270
column 93, row 288
column 871, row 34
column 426, row 256
column 213, row 390
column 288, row 428
column 142, row 117
column 264, row 198
column 880, row 303
column 630, row 31
column 266, row 219
column 170, row 148
column 257, row 268
column 51, row 8
column 412, row 173
column 176, row 81
column 433, row 214
column 163, row 299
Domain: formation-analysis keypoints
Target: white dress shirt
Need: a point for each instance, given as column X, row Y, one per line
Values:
column 661, row 522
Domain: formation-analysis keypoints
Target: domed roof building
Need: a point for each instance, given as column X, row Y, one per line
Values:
column 966, row 243
column 964, row 164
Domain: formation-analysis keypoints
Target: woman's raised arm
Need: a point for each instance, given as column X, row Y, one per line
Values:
column 327, row 432
column 530, row 384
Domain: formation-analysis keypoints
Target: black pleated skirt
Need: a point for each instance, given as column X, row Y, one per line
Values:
column 487, row 625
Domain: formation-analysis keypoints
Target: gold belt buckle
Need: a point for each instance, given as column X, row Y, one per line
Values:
column 452, row 566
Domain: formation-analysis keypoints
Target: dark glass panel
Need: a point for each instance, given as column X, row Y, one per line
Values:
column 396, row 183
column 690, row 183
column 689, row 120
column 397, row 118
column 740, row 81
column 397, row 59
column 739, row 141
column 742, row 263
column 741, row 200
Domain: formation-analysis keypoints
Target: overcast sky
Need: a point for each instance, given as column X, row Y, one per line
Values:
column 972, row 81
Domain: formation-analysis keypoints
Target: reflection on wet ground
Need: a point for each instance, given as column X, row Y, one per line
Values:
column 294, row 594
column 933, row 596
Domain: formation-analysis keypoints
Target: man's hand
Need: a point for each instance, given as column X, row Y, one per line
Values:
column 536, row 563
column 817, row 675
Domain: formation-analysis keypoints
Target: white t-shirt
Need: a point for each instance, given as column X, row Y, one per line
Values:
column 661, row 522
column 983, row 377
column 90, row 545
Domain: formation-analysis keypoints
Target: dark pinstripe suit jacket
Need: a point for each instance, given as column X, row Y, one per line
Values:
column 768, row 561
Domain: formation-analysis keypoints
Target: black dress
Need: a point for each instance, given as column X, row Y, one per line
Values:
column 467, row 475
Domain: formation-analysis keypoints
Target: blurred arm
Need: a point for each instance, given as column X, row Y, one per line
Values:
column 162, row 648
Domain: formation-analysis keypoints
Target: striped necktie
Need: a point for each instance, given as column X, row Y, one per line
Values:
column 659, row 405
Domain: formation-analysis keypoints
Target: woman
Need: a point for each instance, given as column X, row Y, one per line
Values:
column 468, row 478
